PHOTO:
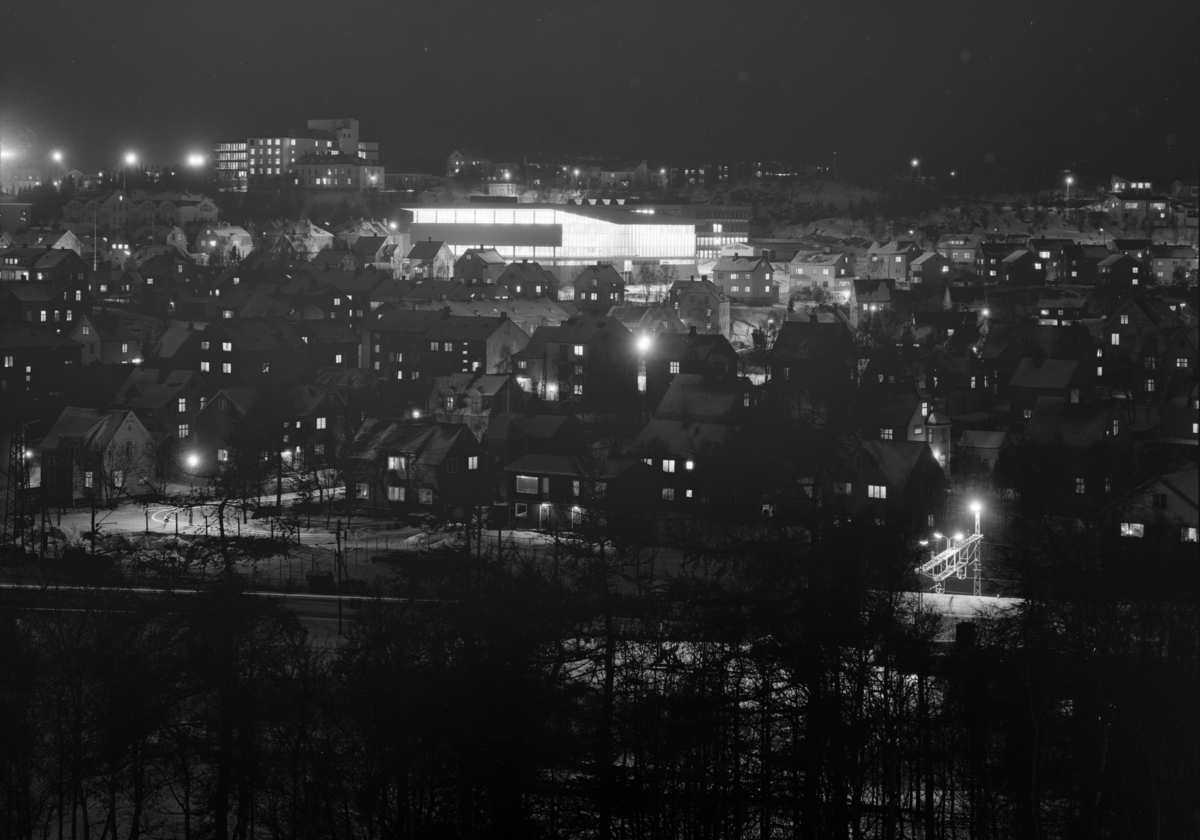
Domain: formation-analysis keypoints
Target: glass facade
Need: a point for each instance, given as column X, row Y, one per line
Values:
column 585, row 238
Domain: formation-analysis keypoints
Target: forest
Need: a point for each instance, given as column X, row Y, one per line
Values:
column 764, row 686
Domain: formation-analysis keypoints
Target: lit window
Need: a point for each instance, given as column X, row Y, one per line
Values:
column 222, row 456
column 1188, row 534
column 1124, row 319
column 1133, row 529
column 226, row 368
column 395, row 494
column 674, row 367
column 668, row 465
column 362, row 491
column 842, row 488
column 689, row 465
column 578, row 349
column 668, row 494
column 1149, row 385
column 320, row 424
column 227, row 346
column 88, row 478
column 266, row 367
column 182, row 404
column 183, row 431
column 876, row 491
column 396, row 463
column 527, row 484
column 204, row 367
column 1080, row 486
column 885, row 434
column 1115, row 339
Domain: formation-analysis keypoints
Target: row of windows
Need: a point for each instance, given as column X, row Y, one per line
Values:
column 874, row 491
column 1187, row 533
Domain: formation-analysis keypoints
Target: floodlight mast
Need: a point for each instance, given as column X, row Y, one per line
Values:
column 961, row 554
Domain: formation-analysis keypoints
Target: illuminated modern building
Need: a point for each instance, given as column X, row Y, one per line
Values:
column 230, row 164
column 264, row 159
column 560, row 235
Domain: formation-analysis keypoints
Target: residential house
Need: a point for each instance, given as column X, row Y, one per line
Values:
column 223, row 243
column 510, row 436
column 747, row 281
column 961, row 249
column 440, row 469
column 429, row 259
column 1036, row 378
column 479, row 266
column 889, row 260
column 980, row 451
column 468, row 344
column 1061, row 259
column 649, row 319
column 1022, row 268
column 701, row 304
column 1163, row 512
column 673, row 354
column 247, row 351
column 598, row 288
column 929, row 268
column 1137, row 248
column 300, row 239
column 32, row 356
column 527, row 279
column 97, row 456
column 821, row 276
column 474, row 399
column 1173, row 263
column 42, row 264
column 55, row 304
column 1121, row 271
column 990, row 256
column 380, row 252
column 340, row 259
column 330, row 343
column 563, row 493
column 588, row 362
column 44, row 238
column 886, row 482
column 107, row 339
column 814, row 353
column 870, row 297
column 393, row 341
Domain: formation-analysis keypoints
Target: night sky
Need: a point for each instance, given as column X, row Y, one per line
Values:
column 1026, row 85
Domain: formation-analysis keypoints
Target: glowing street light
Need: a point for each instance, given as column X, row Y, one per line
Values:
column 130, row 160
column 193, row 460
column 976, row 508
column 916, row 164
column 196, row 160
column 57, row 157
column 644, row 342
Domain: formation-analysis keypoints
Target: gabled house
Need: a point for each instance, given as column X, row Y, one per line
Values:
column 1022, row 268
column 886, row 482
column 429, row 259
column 509, row 436
column 92, row 455
column 929, row 268
column 166, row 401
column 586, row 361
column 330, row 343
column 58, row 305
column 1174, row 263
column 989, row 257
column 393, row 341
column 673, row 354
column 248, row 351
column 469, row 344
column 870, row 297
column 527, row 279
column 474, row 399
column 814, row 354
column 701, row 304
column 439, row 469
column 1036, row 378
column 746, row 280
column 334, row 259
column 479, row 266
column 379, row 252
column 1122, row 271
column 822, row 273
column 961, row 249
column 300, row 239
column 563, row 493
column 223, row 243
column 1061, row 259
column 1163, row 512
column 649, row 319
column 32, row 355
column 889, row 260
column 107, row 339
column 598, row 288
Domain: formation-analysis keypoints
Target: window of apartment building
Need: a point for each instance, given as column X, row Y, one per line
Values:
column 668, row 465
column 885, row 434
column 222, row 456
column 226, row 368
column 1133, row 529
column 876, row 491
column 227, row 346
column 8, row 361
column 1189, row 534
column 396, row 463
column 182, row 404
column 204, row 367
column 1080, row 486
column 320, row 423
column 527, row 484
column 472, row 462
column 668, row 494
column 842, row 488
column 395, row 494
column 425, row 496
column 183, row 431
column 674, row 367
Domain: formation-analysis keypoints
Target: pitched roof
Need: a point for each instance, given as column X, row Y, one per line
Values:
column 1047, row 374
column 565, row 465
column 426, row 249
column 802, row 340
column 692, row 396
column 463, row 328
column 1057, row 422
column 150, row 388
column 680, row 436
column 430, row 443
column 982, row 440
column 896, row 459
column 95, row 427
column 577, row 330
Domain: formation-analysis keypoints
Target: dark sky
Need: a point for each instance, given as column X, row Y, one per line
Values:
column 1035, row 85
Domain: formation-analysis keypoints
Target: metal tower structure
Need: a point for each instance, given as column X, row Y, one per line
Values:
column 961, row 554
column 18, row 513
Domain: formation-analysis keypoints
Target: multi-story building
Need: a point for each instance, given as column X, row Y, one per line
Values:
column 591, row 362
column 231, row 164
column 336, row 172
column 701, row 304
column 559, row 235
column 265, row 159
column 746, row 280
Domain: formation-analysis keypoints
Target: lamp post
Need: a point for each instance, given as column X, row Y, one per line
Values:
column 130, row 160
column 58, row 157
column 1070, row 181
column 976, row 508
column 916, row 163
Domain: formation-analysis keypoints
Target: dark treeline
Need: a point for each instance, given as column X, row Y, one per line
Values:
column 760, row 688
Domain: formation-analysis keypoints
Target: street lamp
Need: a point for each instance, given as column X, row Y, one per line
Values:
column 1070, row 181
column 644, row 343
column 193, row 461
column 976, row 508
column 130, row 160
column 917, row 166
column 195, row 160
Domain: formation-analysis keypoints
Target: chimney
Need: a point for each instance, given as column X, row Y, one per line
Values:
column 691, row 332
column 503, row 315
column 445, row 309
